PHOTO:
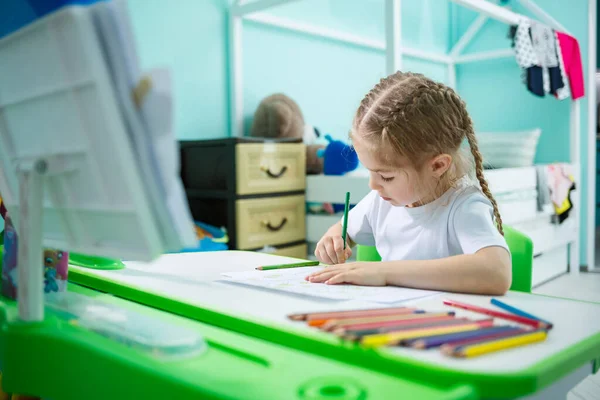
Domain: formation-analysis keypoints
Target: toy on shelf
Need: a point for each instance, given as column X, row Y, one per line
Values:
column 280, row 117
column 339, row 158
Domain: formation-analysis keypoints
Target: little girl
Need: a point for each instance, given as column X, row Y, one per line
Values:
column 432, row 225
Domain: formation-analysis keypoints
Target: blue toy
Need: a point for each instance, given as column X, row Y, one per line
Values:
column 338, row 157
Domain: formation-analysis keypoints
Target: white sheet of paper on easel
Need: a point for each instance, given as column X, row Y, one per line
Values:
column 292, row 281
column 150, row 123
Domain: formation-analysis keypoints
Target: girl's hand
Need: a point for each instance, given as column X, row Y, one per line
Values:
column 357, row 273
column 330, row 250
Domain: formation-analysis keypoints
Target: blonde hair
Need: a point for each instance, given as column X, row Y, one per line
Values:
column 418, row 118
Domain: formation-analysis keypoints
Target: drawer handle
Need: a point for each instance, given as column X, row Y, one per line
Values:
column 271, row 174
column 272, row 228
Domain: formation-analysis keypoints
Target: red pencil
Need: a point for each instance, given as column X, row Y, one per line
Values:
column 383, row 324
column 492, row 313
column 338, row 323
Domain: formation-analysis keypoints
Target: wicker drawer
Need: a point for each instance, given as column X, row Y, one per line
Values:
column 269, row 221
column 270, row 167
column 297, row 251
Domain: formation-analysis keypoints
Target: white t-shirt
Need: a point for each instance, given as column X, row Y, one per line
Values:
column 458, row 222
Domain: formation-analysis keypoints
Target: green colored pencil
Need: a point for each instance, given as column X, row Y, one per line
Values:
column 345, row 226
column 292, row 265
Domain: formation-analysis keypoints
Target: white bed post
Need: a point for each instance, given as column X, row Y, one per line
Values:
column 393, row 36
column 469, row 34
column 591, row 138
column 452, row 75
column 459, row 46
column 236, row 93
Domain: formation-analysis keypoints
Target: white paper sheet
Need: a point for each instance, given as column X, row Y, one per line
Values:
column 292, row 280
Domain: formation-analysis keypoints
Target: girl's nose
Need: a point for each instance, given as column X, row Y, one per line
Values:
column 373, row 185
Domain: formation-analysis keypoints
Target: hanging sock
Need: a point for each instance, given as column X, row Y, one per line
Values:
column 525, row 55
column 556, row 80
column 544, row 45
column 535, row 80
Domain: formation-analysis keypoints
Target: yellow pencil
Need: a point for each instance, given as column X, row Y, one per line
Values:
column 392, row 338
column 496, row 345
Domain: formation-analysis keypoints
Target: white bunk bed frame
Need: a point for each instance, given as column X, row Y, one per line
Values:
column 394, row 51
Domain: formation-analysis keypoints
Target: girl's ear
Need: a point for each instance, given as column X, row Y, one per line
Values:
column 440, row 164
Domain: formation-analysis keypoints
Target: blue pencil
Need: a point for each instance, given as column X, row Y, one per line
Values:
column 516, row 311
column 438, row 340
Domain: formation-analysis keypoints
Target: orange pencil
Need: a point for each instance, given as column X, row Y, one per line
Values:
column 321, row 321
column 348, row 313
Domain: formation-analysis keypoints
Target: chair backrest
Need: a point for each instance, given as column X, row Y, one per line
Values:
column 519, row 244
column 521, row 249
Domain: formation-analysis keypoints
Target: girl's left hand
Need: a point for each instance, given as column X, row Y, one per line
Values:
column 356, row 273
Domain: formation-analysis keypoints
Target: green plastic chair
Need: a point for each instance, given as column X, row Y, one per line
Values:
column 519, row 244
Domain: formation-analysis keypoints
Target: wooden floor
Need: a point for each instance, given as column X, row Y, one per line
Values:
column 585, row 286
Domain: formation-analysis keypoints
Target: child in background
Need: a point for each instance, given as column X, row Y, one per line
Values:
column 433, row 226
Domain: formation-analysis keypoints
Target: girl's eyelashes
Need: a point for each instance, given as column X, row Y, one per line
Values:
column 391, row 178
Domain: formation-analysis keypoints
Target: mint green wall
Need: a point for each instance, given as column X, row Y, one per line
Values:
column 190, row 37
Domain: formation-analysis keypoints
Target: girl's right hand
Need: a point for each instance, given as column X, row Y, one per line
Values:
column 330, row 250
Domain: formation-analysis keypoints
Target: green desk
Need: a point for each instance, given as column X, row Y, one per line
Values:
column 255, row 352
column 59, row 361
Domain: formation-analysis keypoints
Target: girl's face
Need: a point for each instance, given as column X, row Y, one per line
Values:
column 401, row 185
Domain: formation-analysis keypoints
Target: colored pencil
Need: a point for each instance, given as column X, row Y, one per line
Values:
column 357, row 335
column 492, row 313
column 516, row 311
column 345, row 226
column 344, row 314
column 386, row 325
column 496, row 345
column 476, row 340
column 291, row 265
column 439, row 340
column 354, row 334
column 324, row 321
column 337, row 323
column 394, row 338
